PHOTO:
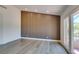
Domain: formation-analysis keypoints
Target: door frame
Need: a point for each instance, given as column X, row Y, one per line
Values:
column 75, row 11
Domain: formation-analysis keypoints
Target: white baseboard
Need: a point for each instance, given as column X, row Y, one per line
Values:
column 28, row 38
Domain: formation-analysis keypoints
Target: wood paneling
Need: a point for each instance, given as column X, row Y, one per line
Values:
column 40, row 25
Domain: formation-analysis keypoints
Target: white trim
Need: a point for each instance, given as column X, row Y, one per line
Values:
column 28, row 38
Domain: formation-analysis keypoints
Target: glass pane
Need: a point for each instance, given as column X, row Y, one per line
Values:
column 66, row 32
column 76, row 33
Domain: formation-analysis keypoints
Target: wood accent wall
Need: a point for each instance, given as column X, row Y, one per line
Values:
column 37, row 25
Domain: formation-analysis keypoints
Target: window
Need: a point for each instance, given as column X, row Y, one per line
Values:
column 75, row 40
column 66, row 32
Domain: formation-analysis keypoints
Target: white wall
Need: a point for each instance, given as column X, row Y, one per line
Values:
column 1, row 26
column 11, row 24
column 69, row 11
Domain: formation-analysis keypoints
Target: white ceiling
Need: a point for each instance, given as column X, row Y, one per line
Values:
column 47, row 9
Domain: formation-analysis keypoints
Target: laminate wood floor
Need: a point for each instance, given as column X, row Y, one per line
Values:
column 32, row 47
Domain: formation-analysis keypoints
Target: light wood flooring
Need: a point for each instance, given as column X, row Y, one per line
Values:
column 32, row 47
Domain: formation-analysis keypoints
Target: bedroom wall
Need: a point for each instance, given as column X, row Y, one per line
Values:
column 1, row 30
column 37, row 25
column 10, row 24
